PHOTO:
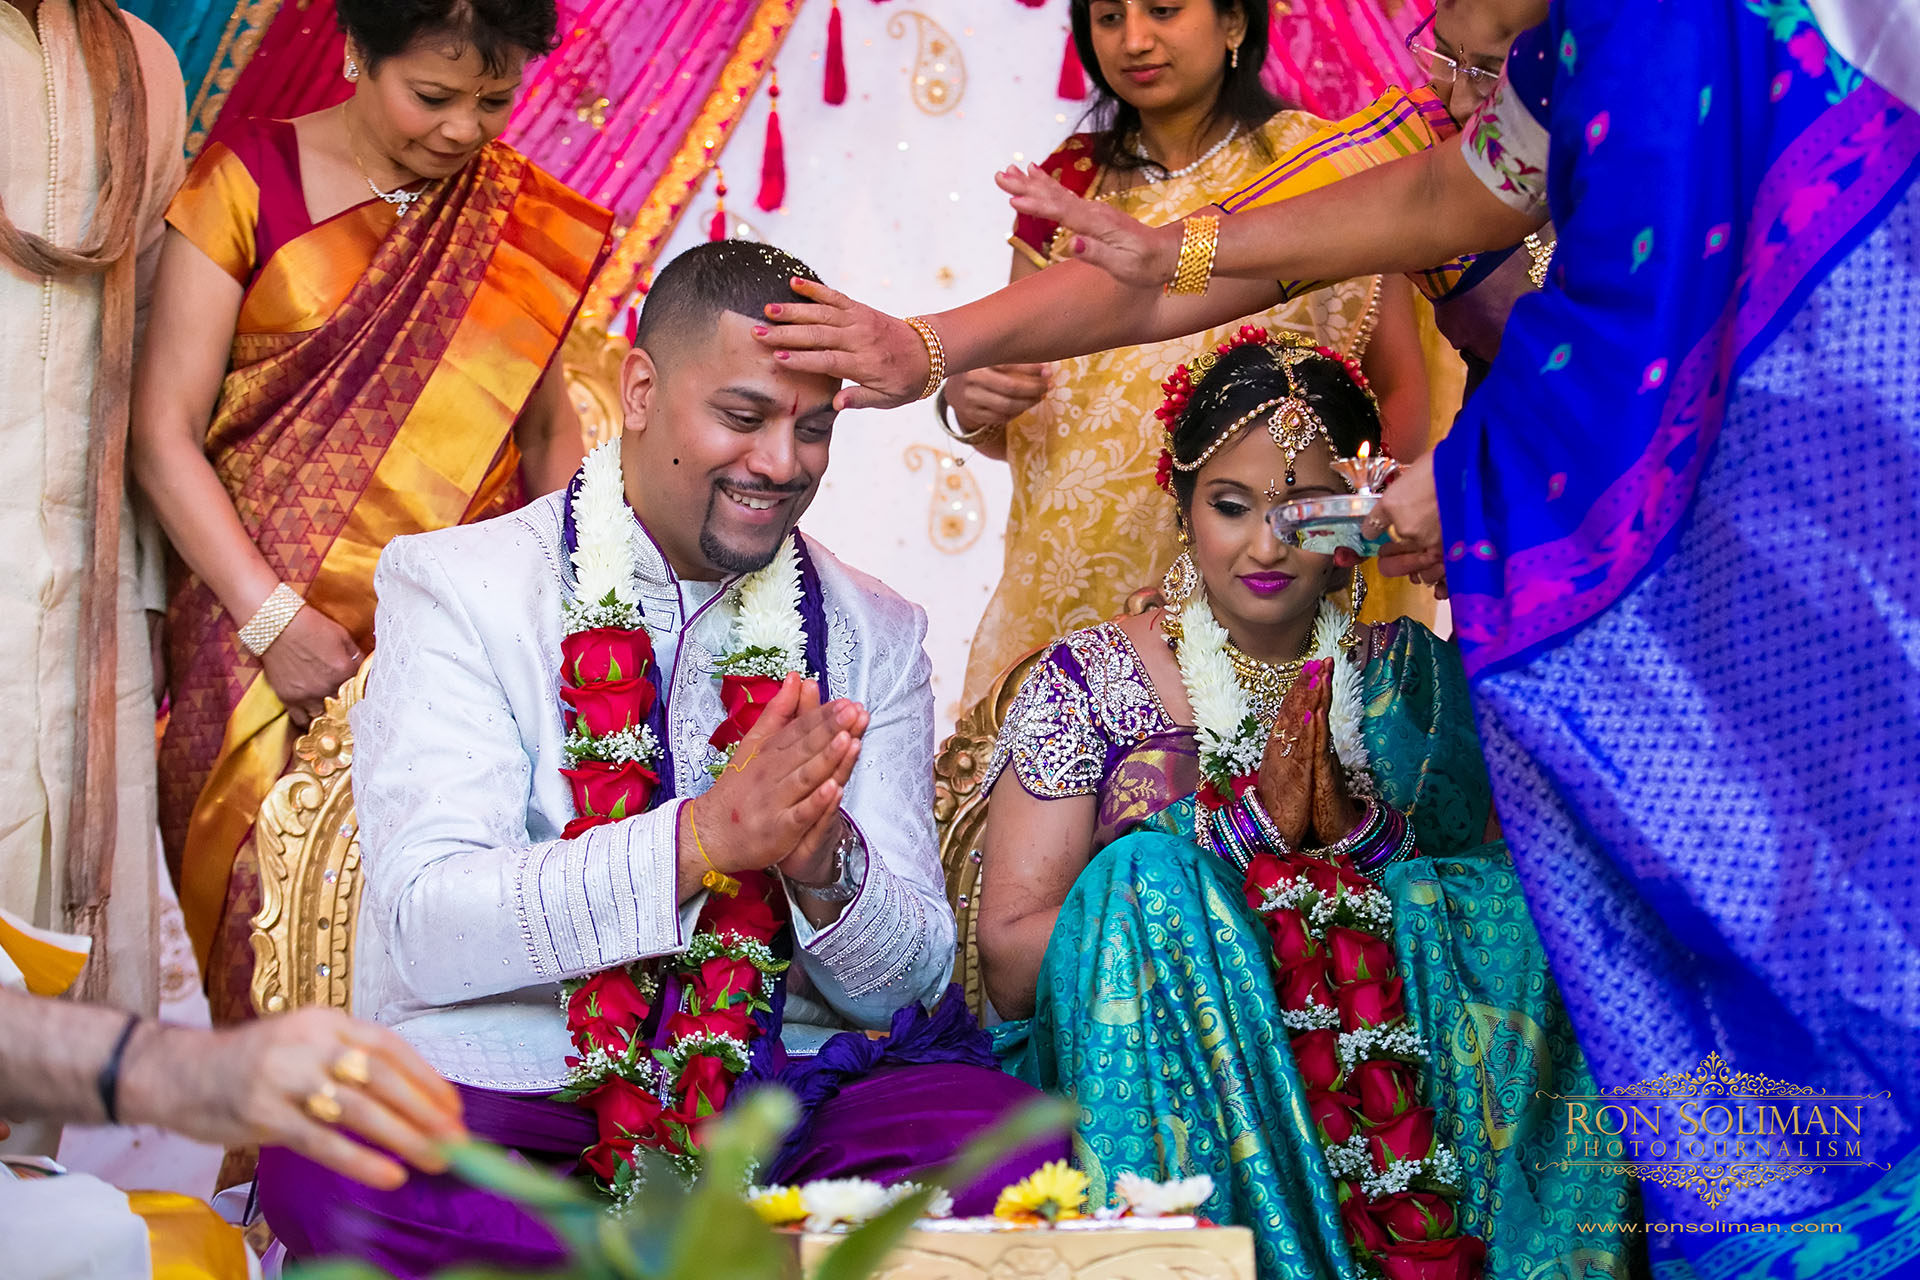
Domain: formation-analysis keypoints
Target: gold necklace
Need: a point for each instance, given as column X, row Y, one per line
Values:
column 1267, row 683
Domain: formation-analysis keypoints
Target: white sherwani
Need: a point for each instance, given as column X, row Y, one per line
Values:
column 45, row 428
column 474, row 907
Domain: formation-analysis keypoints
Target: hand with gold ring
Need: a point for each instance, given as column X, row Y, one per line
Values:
column 323, row 1104
column 304, row 1080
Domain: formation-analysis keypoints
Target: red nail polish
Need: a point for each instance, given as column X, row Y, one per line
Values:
column 773, row 308
column 781, row 355
column 761, row 331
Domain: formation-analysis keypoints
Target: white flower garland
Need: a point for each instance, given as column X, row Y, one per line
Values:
column 1231, row 738
column 603, row 565
column 604, row 593
column 768, row 637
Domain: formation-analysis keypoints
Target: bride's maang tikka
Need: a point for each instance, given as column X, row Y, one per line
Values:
column 1291, row 420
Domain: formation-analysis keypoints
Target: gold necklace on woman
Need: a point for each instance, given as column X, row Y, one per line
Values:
column 1267, row 683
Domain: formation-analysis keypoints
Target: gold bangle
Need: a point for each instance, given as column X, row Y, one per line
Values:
column 936, row 356
column 270, row 619
column 1197, row 246
column 715, row 879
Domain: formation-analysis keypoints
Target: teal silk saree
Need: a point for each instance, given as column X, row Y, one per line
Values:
column 1157, row 1011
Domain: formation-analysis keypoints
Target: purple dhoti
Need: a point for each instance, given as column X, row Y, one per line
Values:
column 879, row 1109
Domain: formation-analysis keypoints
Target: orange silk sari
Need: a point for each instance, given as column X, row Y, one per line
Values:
column 378, row 369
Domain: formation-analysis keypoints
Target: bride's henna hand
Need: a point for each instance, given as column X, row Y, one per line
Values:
column 1285, row 784
column 1334, row 811
column 1301, row 782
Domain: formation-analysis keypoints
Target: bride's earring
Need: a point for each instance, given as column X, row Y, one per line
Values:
column 1233, row 56
column 353, row 69
column 1180, row 584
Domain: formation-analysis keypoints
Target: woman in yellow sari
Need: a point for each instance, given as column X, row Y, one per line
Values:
column 353, row 337
column 1180, row 115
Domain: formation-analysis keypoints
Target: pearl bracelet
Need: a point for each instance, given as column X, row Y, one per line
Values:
column 270, row 619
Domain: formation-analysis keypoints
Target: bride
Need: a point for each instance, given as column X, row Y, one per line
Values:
column 1244, row 891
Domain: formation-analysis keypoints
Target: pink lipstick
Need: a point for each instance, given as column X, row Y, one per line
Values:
column 1266, row 584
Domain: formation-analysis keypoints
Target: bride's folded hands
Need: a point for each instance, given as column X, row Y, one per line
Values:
column 1300, row 781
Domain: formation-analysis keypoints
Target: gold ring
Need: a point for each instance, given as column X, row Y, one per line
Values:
column 324, row 1104
column 353, row 1067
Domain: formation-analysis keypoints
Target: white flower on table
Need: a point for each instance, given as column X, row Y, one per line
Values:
column 834, row 1202
column 1145, row 1198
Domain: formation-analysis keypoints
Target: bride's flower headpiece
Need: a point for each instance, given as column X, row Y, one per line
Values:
column 1292, row 422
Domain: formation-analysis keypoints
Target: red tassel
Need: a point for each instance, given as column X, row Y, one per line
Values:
column 717, row 229
column 836, row 86
column 633, row 324
column 1073, row 80
column 773, row 163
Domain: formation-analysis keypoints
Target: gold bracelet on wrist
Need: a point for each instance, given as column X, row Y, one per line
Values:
column 1197, row 246
column 270, row 619
column 936, row 356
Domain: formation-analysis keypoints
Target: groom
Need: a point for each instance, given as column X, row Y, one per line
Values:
column 769, row 891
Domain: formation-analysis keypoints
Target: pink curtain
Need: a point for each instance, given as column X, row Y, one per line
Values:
column 608, row 112
column 1333, row 57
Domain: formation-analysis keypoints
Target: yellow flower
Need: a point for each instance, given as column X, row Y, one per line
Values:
column 777, row 1206
column 1054, row 1191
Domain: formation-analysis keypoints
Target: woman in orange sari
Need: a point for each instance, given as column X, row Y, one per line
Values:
column 354, row 336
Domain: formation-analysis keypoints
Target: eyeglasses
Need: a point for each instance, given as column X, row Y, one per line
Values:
column 1444, row 70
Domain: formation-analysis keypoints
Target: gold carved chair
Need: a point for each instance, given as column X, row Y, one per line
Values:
column 307, row 841
column 960, row 816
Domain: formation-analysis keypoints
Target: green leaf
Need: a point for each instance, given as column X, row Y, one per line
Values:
column 571, row 1211
column 746, row 1135
column 719, row 1237
column 492, row 1169
column 336, row 1271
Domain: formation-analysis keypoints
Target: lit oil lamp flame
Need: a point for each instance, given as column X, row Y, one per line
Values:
column 1366, row 473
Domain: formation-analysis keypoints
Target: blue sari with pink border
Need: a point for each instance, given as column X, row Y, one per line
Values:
column 1682, row 541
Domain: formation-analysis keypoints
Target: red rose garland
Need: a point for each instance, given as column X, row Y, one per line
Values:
column 647, row 1091
column 1343, row 999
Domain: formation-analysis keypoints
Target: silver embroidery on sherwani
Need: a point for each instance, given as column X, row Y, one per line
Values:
column 475, row 907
